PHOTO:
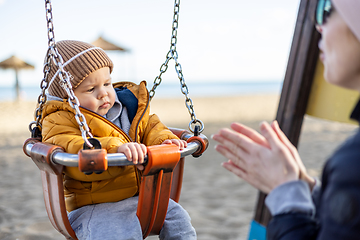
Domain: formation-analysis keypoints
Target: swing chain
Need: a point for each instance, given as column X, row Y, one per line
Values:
column 170, row 53
column 188, row 101
column 43, row 86
column 65, row 83
column 44, row 82
column 50, row 24
column 173, row 54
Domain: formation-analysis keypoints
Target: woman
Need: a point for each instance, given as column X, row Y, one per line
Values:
column 301, row 208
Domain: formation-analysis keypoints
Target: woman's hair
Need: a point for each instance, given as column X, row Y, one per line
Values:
column 350, row 12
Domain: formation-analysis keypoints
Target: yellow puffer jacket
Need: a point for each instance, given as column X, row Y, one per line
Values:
column 59, row 127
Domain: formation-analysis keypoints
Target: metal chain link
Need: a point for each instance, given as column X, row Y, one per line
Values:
column 65, row 83
column 44, row 84
column 173, row 54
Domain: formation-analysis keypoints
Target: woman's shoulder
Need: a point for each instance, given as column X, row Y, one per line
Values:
column 344, row 165
column 351, row 147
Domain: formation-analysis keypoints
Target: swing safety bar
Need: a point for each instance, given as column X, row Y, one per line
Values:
column 160, row 180
column 113, row 159
column 99, row 160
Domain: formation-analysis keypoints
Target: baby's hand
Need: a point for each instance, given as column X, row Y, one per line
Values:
column 134, row 152
column 180, row 143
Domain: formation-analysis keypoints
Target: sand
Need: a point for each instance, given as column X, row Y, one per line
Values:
column 220, row 204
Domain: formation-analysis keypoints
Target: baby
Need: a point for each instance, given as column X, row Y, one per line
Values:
column 103, row 206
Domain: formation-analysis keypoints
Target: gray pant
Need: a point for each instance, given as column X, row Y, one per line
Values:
column 118, row 220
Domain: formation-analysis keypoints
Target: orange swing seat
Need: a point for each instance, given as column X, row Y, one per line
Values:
column 161, row 180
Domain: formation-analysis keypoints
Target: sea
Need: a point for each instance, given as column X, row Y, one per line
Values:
column 173, row 90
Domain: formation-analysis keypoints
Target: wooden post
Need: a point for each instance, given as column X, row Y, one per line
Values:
column 297, row 84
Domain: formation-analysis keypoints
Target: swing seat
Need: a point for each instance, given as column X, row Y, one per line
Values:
column 160, row 181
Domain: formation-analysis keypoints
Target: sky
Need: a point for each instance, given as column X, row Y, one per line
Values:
column 218, row 41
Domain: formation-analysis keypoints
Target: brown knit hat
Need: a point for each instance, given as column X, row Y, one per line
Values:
column 80, row 59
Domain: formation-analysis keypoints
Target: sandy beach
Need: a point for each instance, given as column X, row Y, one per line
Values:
column 220, row 204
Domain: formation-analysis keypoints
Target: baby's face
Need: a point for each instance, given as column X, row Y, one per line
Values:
column 96, row 92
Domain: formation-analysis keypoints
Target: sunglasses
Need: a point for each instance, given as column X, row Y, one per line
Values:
column 323, row 11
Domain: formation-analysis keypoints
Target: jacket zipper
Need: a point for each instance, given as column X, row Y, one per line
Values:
column 138, row 174
column 142, row 115
column 107, row 121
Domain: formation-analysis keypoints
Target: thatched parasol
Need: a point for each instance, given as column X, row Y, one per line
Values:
column 106, row 45
column 17, row 64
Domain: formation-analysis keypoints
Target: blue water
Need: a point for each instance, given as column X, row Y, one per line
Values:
column 172, row 90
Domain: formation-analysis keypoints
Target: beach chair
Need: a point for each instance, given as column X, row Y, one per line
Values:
column 304, row 92
column 164, row 164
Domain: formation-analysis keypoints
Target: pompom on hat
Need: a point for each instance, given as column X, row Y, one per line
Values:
column 80, row 60
column 350, row 12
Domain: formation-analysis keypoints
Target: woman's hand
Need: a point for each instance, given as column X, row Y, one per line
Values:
column 303, row 175
column 134, row 152
column 262, row 160
column 180, row 143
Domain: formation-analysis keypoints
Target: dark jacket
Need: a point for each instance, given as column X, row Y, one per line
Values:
column 337, row 203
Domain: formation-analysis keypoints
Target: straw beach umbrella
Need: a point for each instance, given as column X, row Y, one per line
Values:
column 17, row 64
column 111, row 47
column 106, row 45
